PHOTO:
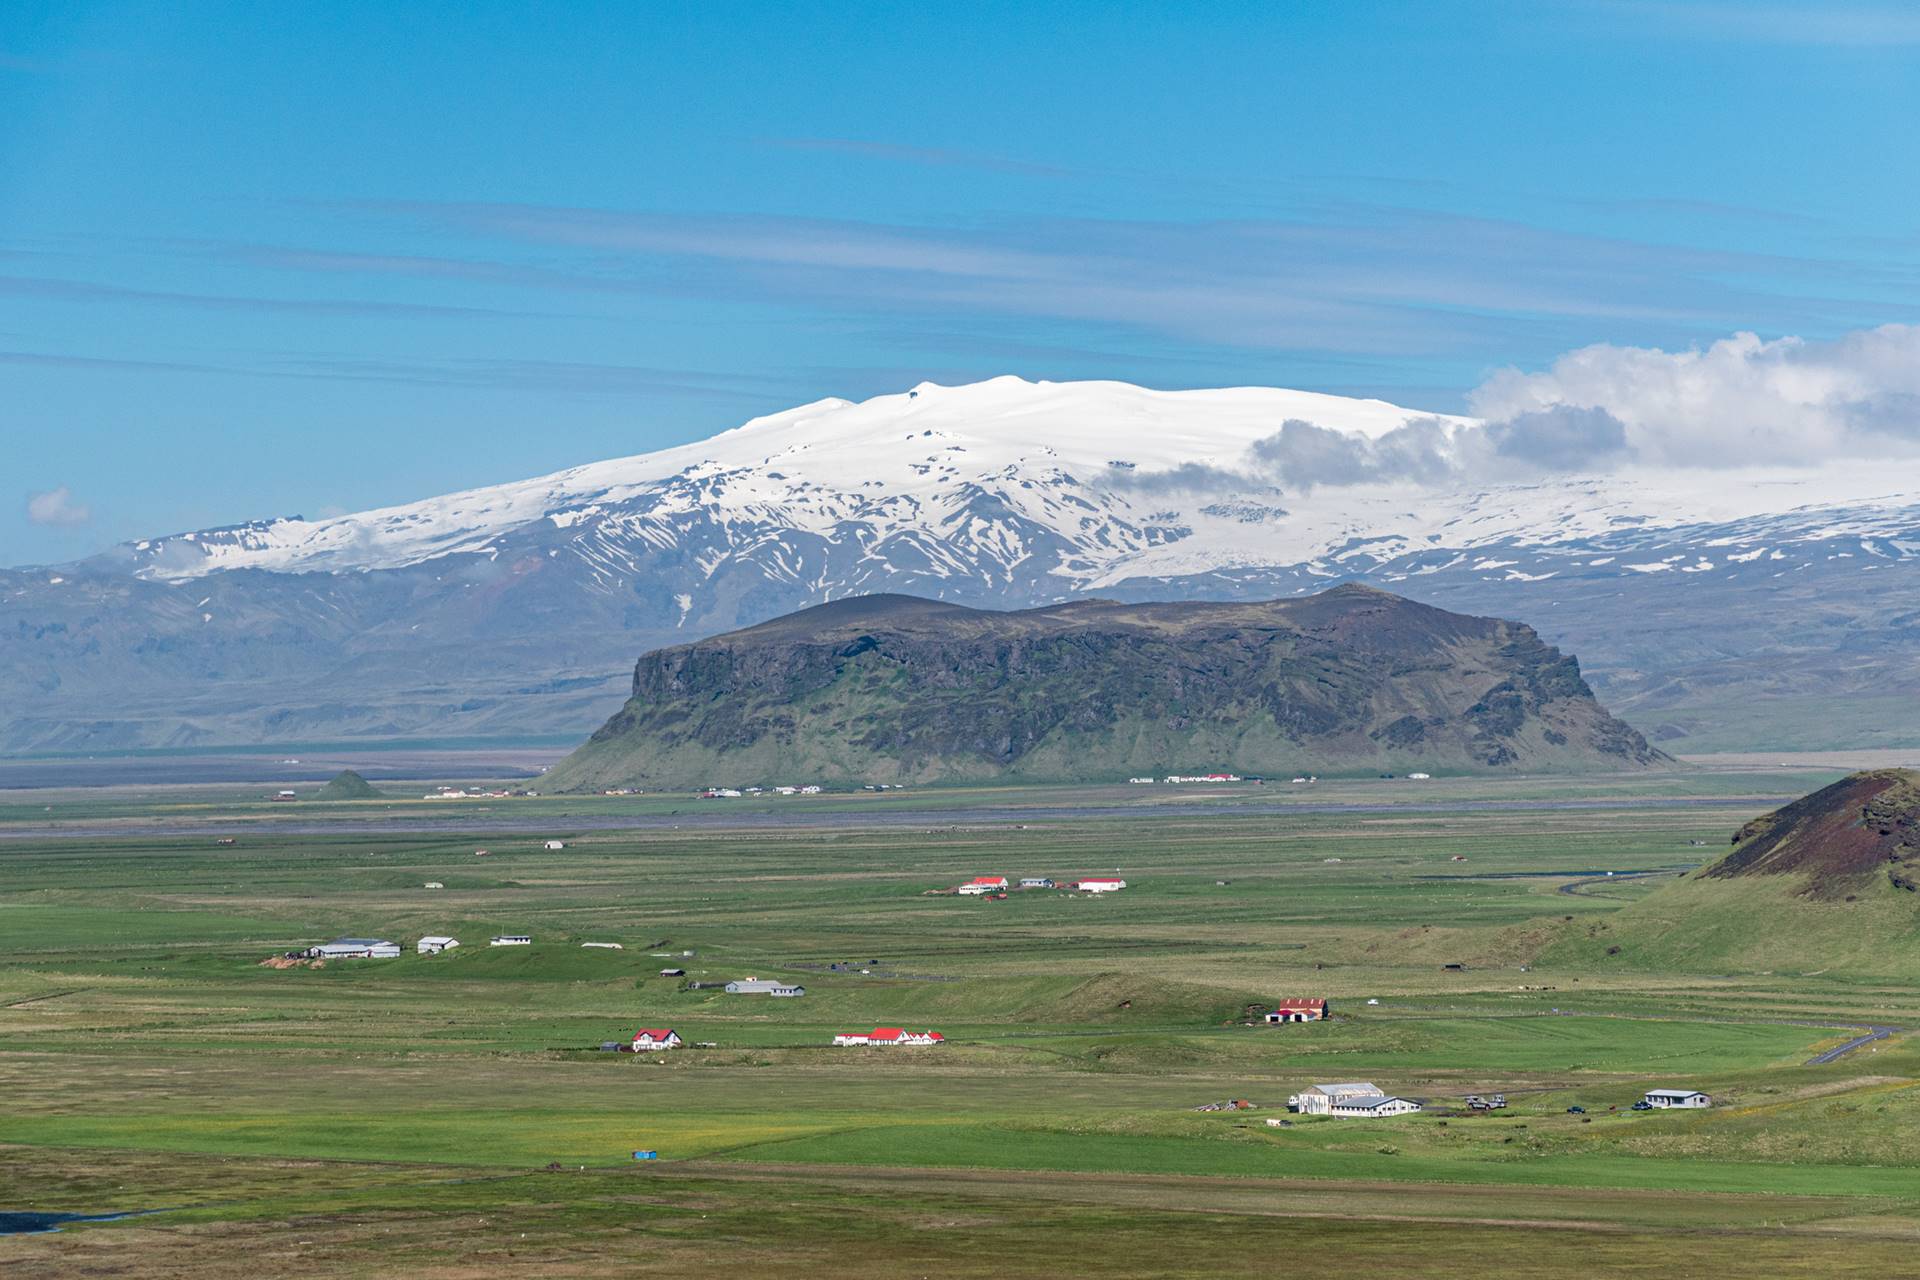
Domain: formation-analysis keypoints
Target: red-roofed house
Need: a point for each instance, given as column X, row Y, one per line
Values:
column 1309, row 1009
column 649, row 1039
column 900, row 1035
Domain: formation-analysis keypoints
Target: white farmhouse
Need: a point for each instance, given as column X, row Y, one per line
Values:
column 654, row 1039
column 1680, row 1099
column 434, row 945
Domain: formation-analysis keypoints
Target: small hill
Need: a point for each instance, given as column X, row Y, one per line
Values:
column 1829, row 883
column 898, row 689
column 348, row 785
column 1838, row 841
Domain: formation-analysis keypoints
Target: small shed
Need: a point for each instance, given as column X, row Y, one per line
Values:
column 554, row 844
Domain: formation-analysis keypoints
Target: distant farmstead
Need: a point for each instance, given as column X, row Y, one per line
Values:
column 654, row 1039
column 1357, row 1098
column 1305, row 1009
column 1678, row 1099
column 355, row 949
column 888, row 1036
column 763, row 987
column 1109, row 885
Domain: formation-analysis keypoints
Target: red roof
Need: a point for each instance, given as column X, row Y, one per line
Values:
column 887, row 1033
column 653, row 1033
column 935, row 1035
column 1301, row 1003
column 988, row 880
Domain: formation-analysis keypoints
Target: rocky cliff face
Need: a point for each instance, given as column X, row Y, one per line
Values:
column 898, row 689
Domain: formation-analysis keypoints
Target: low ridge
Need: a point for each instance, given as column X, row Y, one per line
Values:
column 893, row 688
column 1828, row 883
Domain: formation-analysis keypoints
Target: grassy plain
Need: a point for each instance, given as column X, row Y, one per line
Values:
column 380, row 1117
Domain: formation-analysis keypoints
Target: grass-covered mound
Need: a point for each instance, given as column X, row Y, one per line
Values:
column 1825, row 884
column 348, row 785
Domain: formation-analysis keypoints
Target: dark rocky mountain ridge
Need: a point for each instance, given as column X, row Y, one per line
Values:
column 898, row 689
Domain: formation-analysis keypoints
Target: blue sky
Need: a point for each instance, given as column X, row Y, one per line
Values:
column 256, row 261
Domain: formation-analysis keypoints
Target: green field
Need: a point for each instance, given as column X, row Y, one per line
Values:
column 391, row 1113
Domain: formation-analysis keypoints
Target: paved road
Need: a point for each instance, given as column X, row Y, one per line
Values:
column 1834, row 1055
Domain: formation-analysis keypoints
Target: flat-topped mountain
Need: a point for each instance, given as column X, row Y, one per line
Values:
column 898, row 689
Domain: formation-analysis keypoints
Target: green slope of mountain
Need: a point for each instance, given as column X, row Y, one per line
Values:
column 1829, row 883
column 900, row 689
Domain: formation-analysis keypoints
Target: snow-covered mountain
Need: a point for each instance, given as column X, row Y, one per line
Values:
column 1090, row 483
column 519, row 607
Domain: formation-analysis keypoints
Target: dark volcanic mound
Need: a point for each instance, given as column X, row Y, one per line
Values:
column 1839, row 837
column 898, row 689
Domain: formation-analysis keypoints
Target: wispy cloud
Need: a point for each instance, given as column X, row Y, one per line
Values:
column 58, row 290
column 1353, row 279
column 56, row 508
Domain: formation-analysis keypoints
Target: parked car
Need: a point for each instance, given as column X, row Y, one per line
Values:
column 1643, row 1105
column 1576, row 1111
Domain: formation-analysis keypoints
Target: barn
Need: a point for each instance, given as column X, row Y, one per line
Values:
column 1301, row 1009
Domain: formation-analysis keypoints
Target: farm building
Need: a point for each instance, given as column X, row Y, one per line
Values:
column 763, row 987
column 1107, row 885
column 653, row 1039
column 1683, row 1099
column 354, row 949
column 984, row 884
column 434, row 884
column 1305, row 1009
column 553, row 844
column 1373, row 1106
column 434, row 945
column 606, row 946
column 512, row 940
column 901, row 1036
column 1036, row 882
column 673, row 973
column 1319, row 1099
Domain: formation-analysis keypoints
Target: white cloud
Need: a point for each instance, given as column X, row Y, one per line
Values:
column 1741, row 400
column 56, row 507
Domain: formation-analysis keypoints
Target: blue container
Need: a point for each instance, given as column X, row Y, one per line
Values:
column 646, row 1155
